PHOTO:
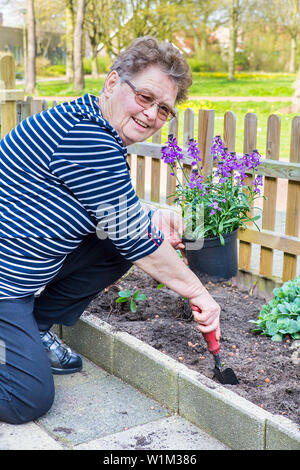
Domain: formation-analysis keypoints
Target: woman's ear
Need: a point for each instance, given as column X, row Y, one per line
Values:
column 111, row 81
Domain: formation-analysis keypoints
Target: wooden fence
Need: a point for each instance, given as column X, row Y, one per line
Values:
column 147, row 155
column 273, row 170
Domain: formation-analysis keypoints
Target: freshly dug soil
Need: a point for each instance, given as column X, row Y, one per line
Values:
column 267, row 371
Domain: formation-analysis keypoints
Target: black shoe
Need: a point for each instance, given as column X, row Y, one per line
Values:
column 62, row 359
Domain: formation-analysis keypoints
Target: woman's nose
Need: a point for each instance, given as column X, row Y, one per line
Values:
column 151, row 112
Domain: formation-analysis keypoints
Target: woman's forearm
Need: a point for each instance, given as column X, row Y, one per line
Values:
column 165, row 266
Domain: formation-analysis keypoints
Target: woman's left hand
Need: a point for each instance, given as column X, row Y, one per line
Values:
column 171, row 224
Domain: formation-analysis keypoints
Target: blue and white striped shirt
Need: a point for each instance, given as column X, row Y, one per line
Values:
column 63, row 175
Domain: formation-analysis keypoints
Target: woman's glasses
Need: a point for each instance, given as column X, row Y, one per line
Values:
column 146, row 100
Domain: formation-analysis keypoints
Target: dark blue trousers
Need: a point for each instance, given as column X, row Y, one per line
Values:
column 26, row 381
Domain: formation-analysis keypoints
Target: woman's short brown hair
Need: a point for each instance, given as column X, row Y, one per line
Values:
column 147, row 51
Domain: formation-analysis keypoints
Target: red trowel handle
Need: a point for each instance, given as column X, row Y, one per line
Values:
column 212, row 343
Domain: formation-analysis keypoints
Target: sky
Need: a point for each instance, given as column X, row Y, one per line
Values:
column 11, row 12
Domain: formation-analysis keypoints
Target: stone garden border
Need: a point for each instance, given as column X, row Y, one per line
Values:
column 223, row 414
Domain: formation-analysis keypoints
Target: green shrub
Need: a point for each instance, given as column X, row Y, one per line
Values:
column 41, row 64
column 281, row 316
column 103, row 65
column 197, row 65
column 241, row 61
column 207, row 62
column 55, row 70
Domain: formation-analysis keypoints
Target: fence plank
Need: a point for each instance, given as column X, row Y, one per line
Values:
column 250, row 131
column 272, row 240
column 8, row 82
column 140, row 176
column 188, row 126
column 230, row 130
column 270, row 192
column 26, row 108
column 205, row 136
column 155, row 171
column 293, row 204
column 188, row 133
column 36, row 106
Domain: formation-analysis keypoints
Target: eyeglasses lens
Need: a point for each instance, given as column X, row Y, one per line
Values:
column 147, row 101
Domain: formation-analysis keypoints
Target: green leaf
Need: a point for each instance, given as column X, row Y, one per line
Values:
column 138, row 296
column 271, row 328
column 277, row 337
column 293, row 326
column 283, row 308
column 159, row 286
column 125, row 293
column 122, row 300
column 133, row 306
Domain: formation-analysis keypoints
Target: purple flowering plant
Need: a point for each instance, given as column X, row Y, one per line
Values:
column 226, row 196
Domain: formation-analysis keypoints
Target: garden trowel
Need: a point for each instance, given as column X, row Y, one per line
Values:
column 226, row 376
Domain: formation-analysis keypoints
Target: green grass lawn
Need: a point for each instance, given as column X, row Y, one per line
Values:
column 206, row 84
column 244, row 85
column 61, row 88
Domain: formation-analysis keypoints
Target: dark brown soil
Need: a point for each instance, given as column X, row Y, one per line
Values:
column 267, row 374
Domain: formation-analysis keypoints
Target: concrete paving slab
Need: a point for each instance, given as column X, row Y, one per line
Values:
column 97, row 407
column 174, row 433
column 29, row 436
column 89, row 374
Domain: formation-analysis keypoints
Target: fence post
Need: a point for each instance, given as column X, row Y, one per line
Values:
column 9, row 95
column 250, row 131
column 293, row 204
column 205, row 138
column 270, row 192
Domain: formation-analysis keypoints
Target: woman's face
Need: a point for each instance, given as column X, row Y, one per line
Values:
column 132, row 122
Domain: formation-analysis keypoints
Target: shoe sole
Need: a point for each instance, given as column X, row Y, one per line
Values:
column 65, row 371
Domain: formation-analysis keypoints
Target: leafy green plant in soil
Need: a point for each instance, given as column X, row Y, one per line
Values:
column 281, row 316
column 131, row 297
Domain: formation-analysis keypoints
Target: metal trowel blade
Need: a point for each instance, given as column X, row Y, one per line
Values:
column 226, row 376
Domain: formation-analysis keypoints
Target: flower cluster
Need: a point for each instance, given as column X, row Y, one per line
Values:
column 226, row 195
column 172, row 152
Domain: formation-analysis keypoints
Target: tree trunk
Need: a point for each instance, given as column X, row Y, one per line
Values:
column 30, row 79
column 233, row 27
column 25, row 49
column 292, row 66
column 197, row 48
column 69, row 40
column 94, row 61
column 78, row 47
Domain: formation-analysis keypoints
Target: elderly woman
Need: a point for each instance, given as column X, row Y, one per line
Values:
column 71, row 222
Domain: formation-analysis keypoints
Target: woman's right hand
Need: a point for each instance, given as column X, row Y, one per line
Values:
column 208, row 314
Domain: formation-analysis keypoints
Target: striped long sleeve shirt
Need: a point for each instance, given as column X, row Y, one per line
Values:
column 63, row 175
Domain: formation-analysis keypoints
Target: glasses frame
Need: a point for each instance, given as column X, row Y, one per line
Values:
column 137, row 92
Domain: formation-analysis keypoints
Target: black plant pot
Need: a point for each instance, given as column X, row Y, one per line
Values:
column 212, row 260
